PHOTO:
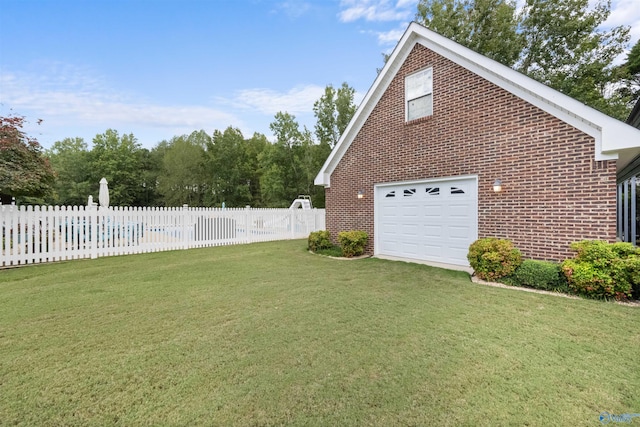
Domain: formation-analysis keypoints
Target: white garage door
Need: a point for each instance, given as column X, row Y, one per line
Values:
column 427, row 220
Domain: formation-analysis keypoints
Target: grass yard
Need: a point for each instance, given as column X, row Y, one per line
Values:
column 269, row 334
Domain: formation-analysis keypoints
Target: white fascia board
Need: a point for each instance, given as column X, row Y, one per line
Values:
column 367, row 105
column 323, row 178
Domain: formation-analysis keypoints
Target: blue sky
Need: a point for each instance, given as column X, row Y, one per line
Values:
column 161, row 68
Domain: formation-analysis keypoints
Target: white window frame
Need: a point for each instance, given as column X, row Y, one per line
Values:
column 416, row 86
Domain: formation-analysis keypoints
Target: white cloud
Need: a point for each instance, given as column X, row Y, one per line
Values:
column 300, row 99
column 625, row 12
column 70, row 99
column 407, row 4
column 376, row 10
column 294, row 9
column 80, row 98
column 73, row 103
column 391, row 37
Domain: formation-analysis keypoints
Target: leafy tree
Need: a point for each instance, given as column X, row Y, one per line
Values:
column 24, row 170
column 287, row 164
column 558, row 43
column 253, row 147
column 70, row 159
column 229, row 168
column 151, row 170
column 275, row 192
column 565, row 49
column 333, row 112
column 631, row 71
column 633, row 60
column 183, row 179
column 119, row 160
column 486, row 26
column 319, row 154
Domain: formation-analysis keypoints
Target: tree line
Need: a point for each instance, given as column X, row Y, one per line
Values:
column 224, row 168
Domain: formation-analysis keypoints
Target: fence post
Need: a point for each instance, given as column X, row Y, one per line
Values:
column 292, row 224
column 315, row 220
column 93, row 233
column 247, row 226
column 185, row 235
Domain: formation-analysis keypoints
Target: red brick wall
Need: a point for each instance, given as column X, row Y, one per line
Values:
column 554, row 193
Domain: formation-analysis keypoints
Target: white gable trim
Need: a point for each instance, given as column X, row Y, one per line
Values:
column 370, row 100
column 610, row 135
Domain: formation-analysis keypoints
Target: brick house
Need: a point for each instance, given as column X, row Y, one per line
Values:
column 449, row 146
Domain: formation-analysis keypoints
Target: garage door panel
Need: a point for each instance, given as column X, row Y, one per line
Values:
column 390, row 228
column 459, row 232
column 410, row 248
column 389, row 211
column 433, row 221
column 432, row 231
column 409, row 211
column 457, row 254
column 389, row 246
column 409, row 232
column 433, row 252
column 434, row 211
column 459, row 210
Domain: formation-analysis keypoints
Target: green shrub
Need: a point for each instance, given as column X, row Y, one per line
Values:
column 543, row 275
column 319, row 240
column 624, row 249
column 603, row 270
column 492, row 258
column 333, row 251
column 352, row 242
column 596, row 252
column 632, row 268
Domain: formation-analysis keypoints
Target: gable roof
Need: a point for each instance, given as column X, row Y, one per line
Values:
column 613, row 138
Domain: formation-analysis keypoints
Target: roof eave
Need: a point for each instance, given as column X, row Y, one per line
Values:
column 364, row 109
column 610, row 135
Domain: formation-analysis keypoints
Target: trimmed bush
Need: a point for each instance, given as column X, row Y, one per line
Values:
column 333, row 251
column 493, row 258
column 603, row 270
column 632, row 268
column 352, row 242
column 624, row 249
column 543, row 275
column 319, row 240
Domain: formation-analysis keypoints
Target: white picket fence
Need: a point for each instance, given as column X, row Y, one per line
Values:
column 38, row 234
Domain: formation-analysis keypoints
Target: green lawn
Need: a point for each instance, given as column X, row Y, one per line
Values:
column 268, row 334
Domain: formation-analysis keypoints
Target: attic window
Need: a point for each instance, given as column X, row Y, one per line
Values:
column 418, row 94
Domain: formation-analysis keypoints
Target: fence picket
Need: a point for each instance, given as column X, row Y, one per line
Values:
column 53, row 233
